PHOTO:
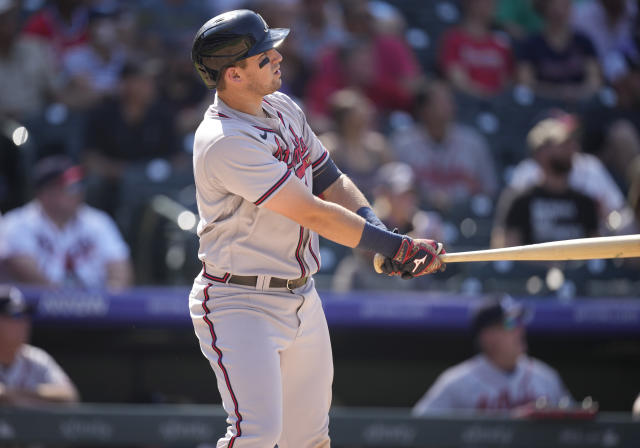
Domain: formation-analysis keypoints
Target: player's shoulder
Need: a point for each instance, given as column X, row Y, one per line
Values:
column 542, row 369
column 35, row 355
column 21, row 216
column 460, row 372
column 93, row 216
column 284, row 103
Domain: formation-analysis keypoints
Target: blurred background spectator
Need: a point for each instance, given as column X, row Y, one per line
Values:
column 58, row 240
column 518, row 17
column 475, row 59
column 354, row 142
column 451, row 161
column 396, row 203
column 502, row 376
column 379, row 64
column 551, row 209
column 131, row 129
column 28, row 374
column 587, row 174
column 559, row 62
column 27, row 67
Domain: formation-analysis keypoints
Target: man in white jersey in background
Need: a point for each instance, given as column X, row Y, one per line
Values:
column 501, row 376
column 266, row 188
column 28, row 375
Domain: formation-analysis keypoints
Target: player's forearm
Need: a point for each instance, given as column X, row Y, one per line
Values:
column 334, row 222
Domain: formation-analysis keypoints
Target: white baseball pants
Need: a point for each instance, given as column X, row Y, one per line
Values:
column 271, row 354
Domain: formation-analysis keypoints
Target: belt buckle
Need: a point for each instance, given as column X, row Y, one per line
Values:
column 289, row 286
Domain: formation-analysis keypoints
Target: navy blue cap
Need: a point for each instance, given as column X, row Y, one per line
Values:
column 13, row 303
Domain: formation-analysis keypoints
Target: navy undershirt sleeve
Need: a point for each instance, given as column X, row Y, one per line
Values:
column 325, row 176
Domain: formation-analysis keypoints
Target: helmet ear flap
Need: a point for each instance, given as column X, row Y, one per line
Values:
column 208, row 75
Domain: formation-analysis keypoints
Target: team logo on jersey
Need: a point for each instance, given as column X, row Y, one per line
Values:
column 263, row 136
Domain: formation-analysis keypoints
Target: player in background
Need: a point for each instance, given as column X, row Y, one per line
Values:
column 502, row 376
column 266, row 188
column 28, row 375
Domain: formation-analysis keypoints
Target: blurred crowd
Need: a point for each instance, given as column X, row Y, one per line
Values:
column 478, row 123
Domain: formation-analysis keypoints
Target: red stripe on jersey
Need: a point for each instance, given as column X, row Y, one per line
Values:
column 265, row 196
column 300, row 262
column 313, row 254
column 320, row 160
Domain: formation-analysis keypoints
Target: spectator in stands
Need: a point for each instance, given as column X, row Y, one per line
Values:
column 27, row 68
column 382, row 66
column 552, row 209
column 58, row 240
column 63, row 24
column 502, row 376
column 610, row 25
column 518, row 17
column 452, row 162
column 92, row 70
column 354, row 143
column 129, row 130
column 28, row 375
column 396, row 203
column 320, row 27
column 559, row 62
column 588, row 175
column 473, row 58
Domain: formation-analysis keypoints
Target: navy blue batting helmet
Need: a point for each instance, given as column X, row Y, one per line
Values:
column 228, row 38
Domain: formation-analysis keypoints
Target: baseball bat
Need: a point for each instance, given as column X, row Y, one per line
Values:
column 625, row 246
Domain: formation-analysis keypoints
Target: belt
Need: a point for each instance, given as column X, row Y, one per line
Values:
column 252, row 280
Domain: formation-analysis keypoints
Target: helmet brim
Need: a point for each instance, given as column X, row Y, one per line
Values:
column 275, row 36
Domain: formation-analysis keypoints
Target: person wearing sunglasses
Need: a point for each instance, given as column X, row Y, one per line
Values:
column 501, row 376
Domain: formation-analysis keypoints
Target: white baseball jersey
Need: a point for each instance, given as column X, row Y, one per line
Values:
column 32, row 368
column 269, row 347
column 477, row 384
column 240, row 161
column 76, row 255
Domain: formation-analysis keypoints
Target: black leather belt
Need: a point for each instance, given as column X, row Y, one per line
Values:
column 252, row 280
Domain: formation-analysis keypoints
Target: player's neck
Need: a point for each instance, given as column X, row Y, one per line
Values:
column 243, row 101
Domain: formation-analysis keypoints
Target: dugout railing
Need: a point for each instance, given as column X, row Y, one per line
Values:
column 191, row 425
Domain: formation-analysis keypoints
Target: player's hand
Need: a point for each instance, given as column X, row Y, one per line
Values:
column 415, row 258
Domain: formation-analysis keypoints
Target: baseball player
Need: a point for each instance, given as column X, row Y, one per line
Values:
column 502, row 376
column 266, row 187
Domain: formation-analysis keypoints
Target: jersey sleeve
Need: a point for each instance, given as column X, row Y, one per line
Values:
column 243, row 167
column 16, row 239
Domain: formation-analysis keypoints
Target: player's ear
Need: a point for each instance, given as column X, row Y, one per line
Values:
column 233, row 75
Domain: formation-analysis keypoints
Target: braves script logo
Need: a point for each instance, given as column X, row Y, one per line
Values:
column 297, row 160
column 418, row 262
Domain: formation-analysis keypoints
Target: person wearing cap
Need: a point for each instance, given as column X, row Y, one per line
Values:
column 501, row 376
column 28, row 375
column 58, row 240
column 396, row 202
column 551, row 210
column 588, row 174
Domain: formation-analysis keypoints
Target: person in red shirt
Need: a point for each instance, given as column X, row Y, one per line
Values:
column 380, row 65
column 62, row 23
column 473, row 58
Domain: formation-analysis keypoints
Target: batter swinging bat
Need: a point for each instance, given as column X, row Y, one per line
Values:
column 626, row 246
